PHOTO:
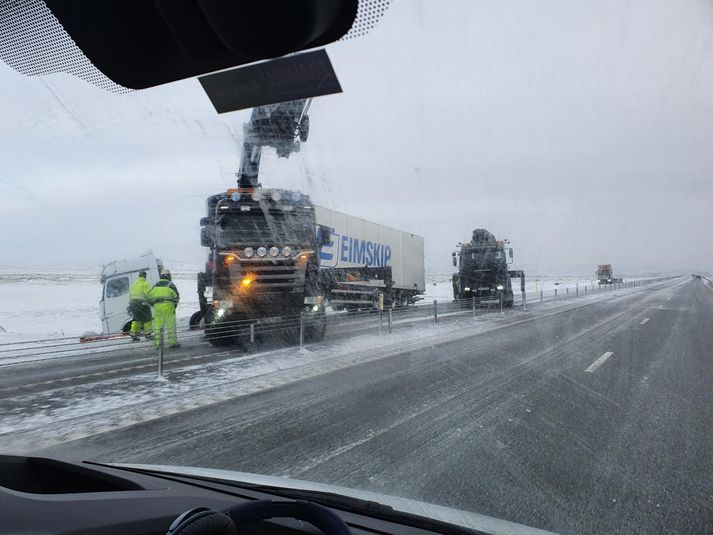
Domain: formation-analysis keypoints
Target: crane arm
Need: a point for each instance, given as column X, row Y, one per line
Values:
column 281, row 126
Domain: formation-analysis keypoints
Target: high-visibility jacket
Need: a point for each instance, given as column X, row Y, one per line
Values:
column 164, row 291
column 139, row 291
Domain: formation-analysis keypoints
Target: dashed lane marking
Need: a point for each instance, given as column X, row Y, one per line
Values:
column 644, row 321
column 601, row 360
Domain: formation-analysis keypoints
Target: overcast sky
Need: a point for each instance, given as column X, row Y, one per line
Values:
column 582, row 131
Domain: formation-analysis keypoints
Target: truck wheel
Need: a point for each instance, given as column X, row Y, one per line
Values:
column 196, row 321
column 127, row 327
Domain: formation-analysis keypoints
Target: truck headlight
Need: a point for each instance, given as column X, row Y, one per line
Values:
column 275, row 195
column 261, row 251
column 274, row 251
column 467, row 289
column 249, row 252
column 286, row 251
column 499, row 287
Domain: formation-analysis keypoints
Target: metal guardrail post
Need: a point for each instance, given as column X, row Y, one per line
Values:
column 524, row 300
column 566, row 291
column 541, row 300
column 501, row 304
column 577, row 290
column 381, row 317
column 160, row 353
column 473, row 307
column 252, row 333
column 302, row 330
column 435, row 311
column 391, row 310
column 555, row 294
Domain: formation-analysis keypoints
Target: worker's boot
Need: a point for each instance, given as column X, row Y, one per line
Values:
column 135, row 337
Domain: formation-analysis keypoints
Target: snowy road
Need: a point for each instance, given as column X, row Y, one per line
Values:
column 591, row 415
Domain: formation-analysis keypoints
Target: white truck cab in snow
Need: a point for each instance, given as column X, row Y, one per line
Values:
column 116, row 279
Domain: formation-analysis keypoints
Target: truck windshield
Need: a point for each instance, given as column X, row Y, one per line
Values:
column 483, row 258
column 273, row 227
column 480, row 276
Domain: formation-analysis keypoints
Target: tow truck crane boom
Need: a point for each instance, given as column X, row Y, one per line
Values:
column 281, row 126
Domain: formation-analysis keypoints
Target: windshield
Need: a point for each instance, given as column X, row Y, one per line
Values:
column 478, row 276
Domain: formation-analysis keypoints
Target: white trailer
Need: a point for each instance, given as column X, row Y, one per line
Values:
column 357, row 243
column 116, row 278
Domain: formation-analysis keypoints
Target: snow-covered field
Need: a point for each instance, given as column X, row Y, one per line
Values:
column 50, row 303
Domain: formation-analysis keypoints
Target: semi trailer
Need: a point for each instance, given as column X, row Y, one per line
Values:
column 483, row 273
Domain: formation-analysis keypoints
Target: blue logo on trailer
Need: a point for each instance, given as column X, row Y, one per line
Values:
column 347, row 249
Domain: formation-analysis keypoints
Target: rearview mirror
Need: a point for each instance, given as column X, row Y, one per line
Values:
column 510, row 252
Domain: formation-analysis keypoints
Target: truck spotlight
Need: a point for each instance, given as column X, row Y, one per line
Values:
column 274, row 251
column 220, row 312
column 235, row 196
column 499, row 287
column 467, row 289
column 249, row 252
column 315, row 308
column 261, row 251
column 286, row 250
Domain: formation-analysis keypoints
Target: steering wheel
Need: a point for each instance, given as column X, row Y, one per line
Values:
column 203, row 521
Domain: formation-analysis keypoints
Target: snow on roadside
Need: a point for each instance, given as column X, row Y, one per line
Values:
column 36, row 420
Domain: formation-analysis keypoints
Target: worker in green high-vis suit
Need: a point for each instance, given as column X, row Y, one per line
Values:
column 164, row 299
column 139, row 308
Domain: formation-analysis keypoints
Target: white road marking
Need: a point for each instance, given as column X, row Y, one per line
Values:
column 601, row 360
column 660, row 306
column 644, row 321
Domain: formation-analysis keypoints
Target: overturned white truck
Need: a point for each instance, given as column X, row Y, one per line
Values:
column 116, row 279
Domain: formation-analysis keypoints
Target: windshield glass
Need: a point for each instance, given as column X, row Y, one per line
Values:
column 477, row 277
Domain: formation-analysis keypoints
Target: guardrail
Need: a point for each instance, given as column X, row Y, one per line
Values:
column 295, row 328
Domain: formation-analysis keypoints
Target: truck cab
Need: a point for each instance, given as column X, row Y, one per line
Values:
column 483, row 272
column 116, row 279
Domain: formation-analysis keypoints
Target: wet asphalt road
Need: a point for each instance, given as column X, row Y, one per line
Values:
column 595, row 419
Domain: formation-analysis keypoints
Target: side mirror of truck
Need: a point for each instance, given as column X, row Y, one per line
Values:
column 325, row 236
column 510, row 252
column 205, row 221
column 455, row 261
column 207, row 236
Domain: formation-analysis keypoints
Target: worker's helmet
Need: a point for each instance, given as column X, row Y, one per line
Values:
column 166, row 274
column 142, row 274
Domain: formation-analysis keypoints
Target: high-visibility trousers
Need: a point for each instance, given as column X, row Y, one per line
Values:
column 164, row 316
column 141, row 317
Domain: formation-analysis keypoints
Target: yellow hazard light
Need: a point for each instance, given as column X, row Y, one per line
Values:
column 229, row 260
column 247, row 281
column 303, row 257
